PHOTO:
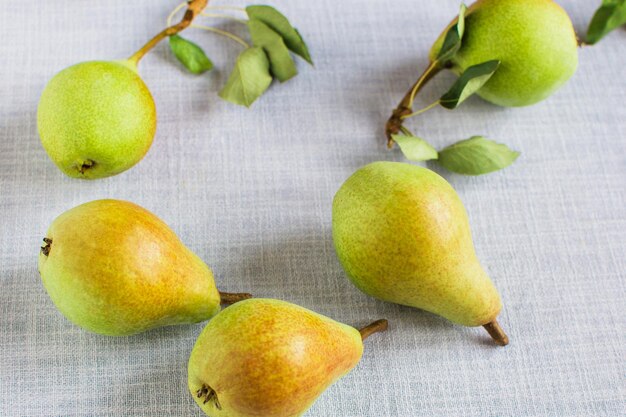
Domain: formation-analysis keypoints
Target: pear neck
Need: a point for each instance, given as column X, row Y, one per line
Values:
column 131, row 65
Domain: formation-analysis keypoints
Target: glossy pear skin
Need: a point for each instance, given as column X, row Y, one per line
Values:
column 534, row 40
column 402, row 235
column 96, row 119
column 116, row 269
column 270, row 358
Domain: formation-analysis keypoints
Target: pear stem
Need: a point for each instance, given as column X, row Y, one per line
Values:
column 194, row 8
column 233, row 297
column 45, row 249
column 375, row 327
column 405, row 108
column 496, row 332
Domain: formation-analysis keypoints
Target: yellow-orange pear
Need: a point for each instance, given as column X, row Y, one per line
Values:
column 270, row 358
column 116, row 269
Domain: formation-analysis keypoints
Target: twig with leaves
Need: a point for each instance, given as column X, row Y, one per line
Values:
column 272, row 37
column 474, row 156
column 265, row 58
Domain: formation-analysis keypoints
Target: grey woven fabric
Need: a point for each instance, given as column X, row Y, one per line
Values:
column 250, row 192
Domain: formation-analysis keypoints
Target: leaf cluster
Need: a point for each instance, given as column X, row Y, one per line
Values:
column 474, row 156
column 273, row 39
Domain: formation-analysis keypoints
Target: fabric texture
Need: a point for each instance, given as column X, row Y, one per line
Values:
column 250, row 191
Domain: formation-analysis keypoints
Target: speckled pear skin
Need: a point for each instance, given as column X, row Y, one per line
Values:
column 116, row 269
column 534, row 40
column 402, row 235
column 96, row 119
column 269, row 358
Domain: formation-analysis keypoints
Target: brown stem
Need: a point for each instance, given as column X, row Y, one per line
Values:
column 209, row 394
column 193, row 9
column 45, row 249
column 496, row 332
column 233, row 297
column 406, row 105
column 370, row 329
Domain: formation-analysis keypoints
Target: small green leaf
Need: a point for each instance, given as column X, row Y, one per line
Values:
column 249, row 79
column 468, row 83
column 414, row 148
column 476, row 156
column 608, row 17
column 454, row 36
column 281, row 63
column 190, row 55
column 280, row 24
column 461, row 20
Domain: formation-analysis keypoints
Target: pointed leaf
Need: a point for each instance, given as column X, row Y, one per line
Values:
column 249, row 79
column 454, row 36
column 476, row 156
column 280, row 24
column 190, row 55
column 610, row 16
column 281, row 63
column 468, row 83
column 414, row 148
column 461, row 20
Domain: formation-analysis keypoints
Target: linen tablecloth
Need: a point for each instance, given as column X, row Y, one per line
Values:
column 250, row 191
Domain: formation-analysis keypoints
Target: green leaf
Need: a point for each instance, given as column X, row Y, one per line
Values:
column 414, row 148
column 476, row 156
column 280, row 24
column 249, row 79
column 461, row 20
column 468, row 83
column 190, row 55
column 608, row 17
column 454, row 36
column 281, row 63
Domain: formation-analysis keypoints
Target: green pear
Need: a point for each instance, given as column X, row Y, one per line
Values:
column 534, row 40
column 96, row 119
column 270, row 358
column 116, row 269
column 402, row 235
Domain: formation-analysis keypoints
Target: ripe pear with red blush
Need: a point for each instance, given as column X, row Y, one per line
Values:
column 270, row 358
column 114, row 268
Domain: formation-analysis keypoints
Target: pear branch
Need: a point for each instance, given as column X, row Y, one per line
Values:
column 233, row 297
column 405, row 108
column 496, row 332
column 194, row 8
column 370, row 329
